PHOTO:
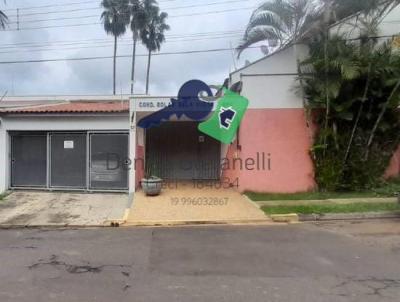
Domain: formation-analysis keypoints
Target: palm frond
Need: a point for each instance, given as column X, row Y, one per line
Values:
column 115, row 17
column 289, row 20
column 280, row 8
column 258, row 34
column 3, row 20
column 153, row 33
column 267, row 19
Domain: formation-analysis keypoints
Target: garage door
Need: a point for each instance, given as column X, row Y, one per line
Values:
column 79, row 161
column 68, row 161
column 29, row 160
column 177, row 150
column 108, row 161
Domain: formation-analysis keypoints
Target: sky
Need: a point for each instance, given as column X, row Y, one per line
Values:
column 64, row 29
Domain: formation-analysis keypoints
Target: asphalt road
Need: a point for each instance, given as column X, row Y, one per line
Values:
column 304, row 262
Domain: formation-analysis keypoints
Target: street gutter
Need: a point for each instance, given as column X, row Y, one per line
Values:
column 348, row 216
column 325, row 201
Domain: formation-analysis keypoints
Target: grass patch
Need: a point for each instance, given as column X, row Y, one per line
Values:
column 313, row 196
column 4, row 195
column 333, row 208
column 389, row 189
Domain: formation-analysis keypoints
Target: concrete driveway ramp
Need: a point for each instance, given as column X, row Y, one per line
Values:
column 185, row 205
column 26, row 208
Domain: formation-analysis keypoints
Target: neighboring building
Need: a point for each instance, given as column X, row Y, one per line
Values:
column 275, row 125
column 61, row 145
column 93, row 144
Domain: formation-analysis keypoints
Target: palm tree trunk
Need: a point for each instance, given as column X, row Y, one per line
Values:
column 327, row 99
column 305, row 106
column 115, row 65
column 148, row 73
column 379, row 119
column 364, row 99
column 133, row 63
column 327, row 16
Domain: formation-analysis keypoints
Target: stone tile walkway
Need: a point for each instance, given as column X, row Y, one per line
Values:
column 183, row 204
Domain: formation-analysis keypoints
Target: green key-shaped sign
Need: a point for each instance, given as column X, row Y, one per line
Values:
column 226, row 119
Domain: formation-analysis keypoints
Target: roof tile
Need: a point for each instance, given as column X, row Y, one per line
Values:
column 73, row 107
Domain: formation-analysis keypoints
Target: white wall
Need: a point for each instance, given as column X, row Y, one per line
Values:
column 117, row 122
column 270, row 83
column 268, row 91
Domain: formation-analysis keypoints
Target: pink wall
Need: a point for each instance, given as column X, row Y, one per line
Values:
column 139, row 165
column 230, row 174
column 394, row 167
column 282, row 135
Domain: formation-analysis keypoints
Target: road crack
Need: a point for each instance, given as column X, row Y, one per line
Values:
column 77, row 269
column 375, row 286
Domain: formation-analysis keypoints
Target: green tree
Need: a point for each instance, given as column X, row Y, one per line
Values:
column 281, row 22
column 115, row 18
column 358, row 135
column 138, row 22
column 153, row 33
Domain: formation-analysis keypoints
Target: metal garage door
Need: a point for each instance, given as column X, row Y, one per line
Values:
column 68, row 161
column 74, row 160
column 177, row 150
column 108, row 161
column 29, row 160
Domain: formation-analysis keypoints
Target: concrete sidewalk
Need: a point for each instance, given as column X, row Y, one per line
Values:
column 27, row 208
column 186, row 205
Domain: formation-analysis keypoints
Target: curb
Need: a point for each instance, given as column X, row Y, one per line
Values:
column 326, row 201
column 118, row 222
column 287, row 218
column 255, row 204
column 139, row 224
column 194, row 222
column 352, row 216
column 105, row 224
column 53, row 227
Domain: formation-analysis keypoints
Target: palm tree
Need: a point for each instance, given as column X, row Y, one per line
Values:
column 136, row 25
column 138, row 22
column 281, row 22
column 152, row 34
column 115, row 18
column 3, row 19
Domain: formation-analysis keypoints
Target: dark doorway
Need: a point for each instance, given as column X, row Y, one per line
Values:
column 178, row 151
column 29, row 160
